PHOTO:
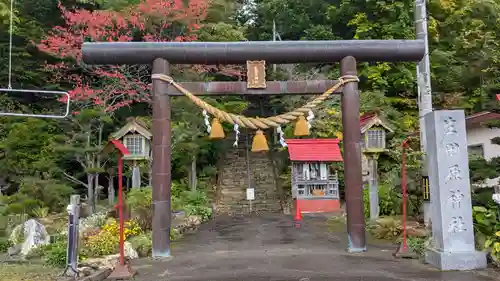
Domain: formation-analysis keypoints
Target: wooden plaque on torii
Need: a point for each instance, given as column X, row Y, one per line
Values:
column 256, row 74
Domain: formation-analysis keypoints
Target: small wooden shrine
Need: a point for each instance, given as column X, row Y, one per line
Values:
column 136, row 137
column 373, row 142
column 373, row 133
column 315, row 184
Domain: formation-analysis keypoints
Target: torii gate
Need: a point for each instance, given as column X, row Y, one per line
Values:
column 162, row 54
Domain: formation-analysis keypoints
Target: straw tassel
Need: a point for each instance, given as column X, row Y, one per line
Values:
column 301, row 127
column 259, row 142
column 217, row 132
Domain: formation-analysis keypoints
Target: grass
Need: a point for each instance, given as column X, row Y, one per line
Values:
column 27, row 272
column 338, row 225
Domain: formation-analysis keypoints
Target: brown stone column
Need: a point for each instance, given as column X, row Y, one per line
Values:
column 352, row 159
column 162, row 166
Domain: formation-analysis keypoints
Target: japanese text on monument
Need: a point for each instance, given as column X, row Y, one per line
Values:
column 452, row 149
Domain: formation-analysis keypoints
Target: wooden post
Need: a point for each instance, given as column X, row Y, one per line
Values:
column 73, row 232
column 352, row 159
column 120, row 209
column 373, row 186
column 162, row 154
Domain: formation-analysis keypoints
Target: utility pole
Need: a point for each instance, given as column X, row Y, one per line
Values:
column 276, row 35
column 424, row 97
column 274, row 39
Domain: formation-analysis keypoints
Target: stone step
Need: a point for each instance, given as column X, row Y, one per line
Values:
column 235, row 182
column 230, row 200
column 246, row 209
column 255, row 205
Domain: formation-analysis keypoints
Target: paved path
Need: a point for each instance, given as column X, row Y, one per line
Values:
column 270, row 248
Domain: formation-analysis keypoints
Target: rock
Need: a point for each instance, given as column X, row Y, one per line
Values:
column 14, row 250
column 130, row 252
column 84, row 210
column 188, row 224
column 416, row 232
column 86, row 270
column 100, row 263
column 193, row 220
column 35, row 235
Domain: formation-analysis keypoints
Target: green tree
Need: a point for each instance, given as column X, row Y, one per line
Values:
column 27, row 147
column 83, row 143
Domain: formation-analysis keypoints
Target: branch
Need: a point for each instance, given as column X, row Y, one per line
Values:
column 79, row 160
column 74, row 180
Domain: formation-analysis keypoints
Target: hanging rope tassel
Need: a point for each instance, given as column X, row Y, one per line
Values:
column 301, row 127
column 207, row 121
column 310, row 117
column 217, row 131
column 259, row 142
column 281, row 136
column 237, row 131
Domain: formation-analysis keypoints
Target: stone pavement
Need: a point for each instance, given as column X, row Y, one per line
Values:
column 269, row 248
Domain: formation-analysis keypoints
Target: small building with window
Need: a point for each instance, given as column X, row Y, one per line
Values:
column 479, row 137
column 315, row 183
column 136, row 137
column 373, row 133
column 373, row 140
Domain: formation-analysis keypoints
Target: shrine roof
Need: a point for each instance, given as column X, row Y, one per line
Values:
column 365, row 118
column 481, row 117
column 370, row 119
column 324, row 150
column 134, row 125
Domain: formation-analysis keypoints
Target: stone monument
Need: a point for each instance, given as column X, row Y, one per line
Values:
column 451, row 217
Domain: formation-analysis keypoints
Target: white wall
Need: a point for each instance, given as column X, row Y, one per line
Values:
column 482, row 135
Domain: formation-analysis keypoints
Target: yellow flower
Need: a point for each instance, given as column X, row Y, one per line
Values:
column 106, row 242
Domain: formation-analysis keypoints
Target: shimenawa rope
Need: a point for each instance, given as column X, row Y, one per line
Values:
column 257, row 123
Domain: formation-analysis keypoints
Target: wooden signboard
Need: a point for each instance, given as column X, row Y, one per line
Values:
column 256, row 74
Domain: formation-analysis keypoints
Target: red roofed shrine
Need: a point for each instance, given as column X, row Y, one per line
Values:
column 324, row 150
column 315, row 185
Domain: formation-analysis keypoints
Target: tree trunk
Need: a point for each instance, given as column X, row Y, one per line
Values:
column 276, row 175
column 97, row 189
column 136, row 176
column 97, row 159
column 90, row 193
column 192, row 177
column 111, row 191
column 217, row 187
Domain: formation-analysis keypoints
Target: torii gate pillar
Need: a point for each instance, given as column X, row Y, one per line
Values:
column 162, row 162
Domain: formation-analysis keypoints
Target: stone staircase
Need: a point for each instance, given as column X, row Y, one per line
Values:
column 235, row 180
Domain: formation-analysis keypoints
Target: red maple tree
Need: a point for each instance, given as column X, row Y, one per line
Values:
column 113, row 87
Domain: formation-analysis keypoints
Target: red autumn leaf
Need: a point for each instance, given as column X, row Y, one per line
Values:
column 116, row 86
